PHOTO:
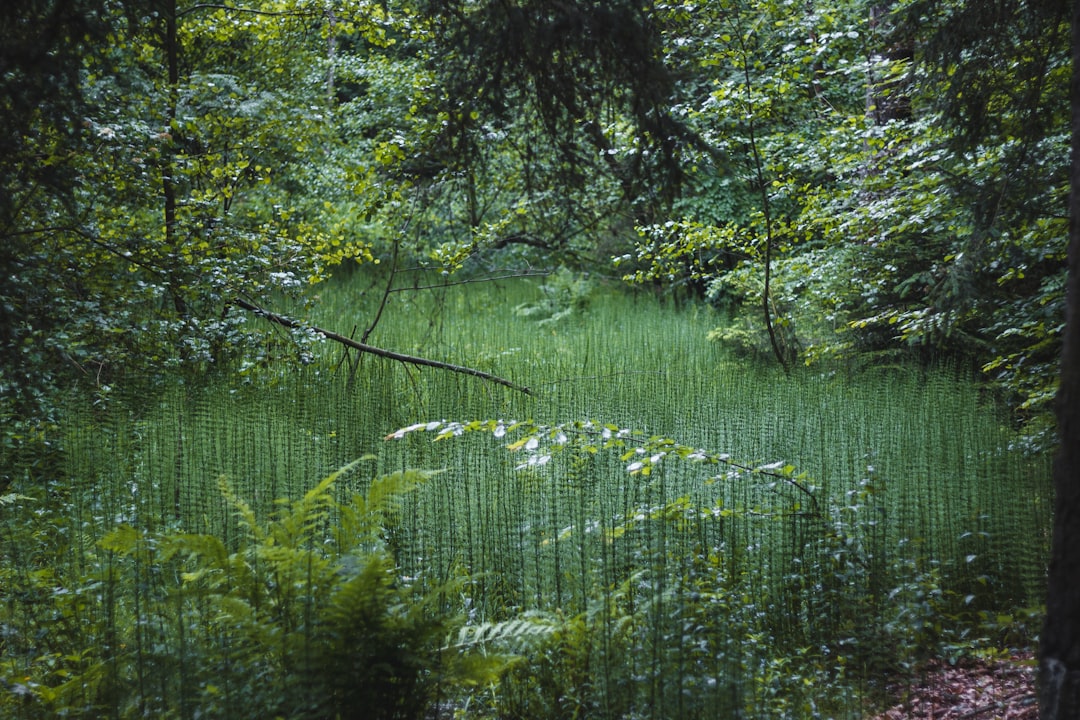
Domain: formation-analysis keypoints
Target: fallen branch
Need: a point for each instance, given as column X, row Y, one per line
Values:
column 1020, row 699
column 389, row 354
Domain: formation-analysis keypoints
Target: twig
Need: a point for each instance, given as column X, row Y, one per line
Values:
column 1022, row 698
column 393, row 270
column 386, row 293
column 493, row 278
column 233, row 8
column 389, row 354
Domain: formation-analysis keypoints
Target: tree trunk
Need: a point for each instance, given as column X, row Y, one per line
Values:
column 887, row 98
column 1059, row 651
column 168, row 171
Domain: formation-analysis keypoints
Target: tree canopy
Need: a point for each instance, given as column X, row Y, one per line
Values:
column 864, row 177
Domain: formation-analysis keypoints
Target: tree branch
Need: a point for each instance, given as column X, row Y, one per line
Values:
column 233, row 8
column 469, row 281
column 389, row 354
column 765, row 208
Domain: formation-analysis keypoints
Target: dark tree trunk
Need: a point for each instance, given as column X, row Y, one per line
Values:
column 168, row 172
column 1059, row 651
column 887, row 98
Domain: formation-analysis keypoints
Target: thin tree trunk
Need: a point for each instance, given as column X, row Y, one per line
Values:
column 331, row 56
column 172, row 61
column 766, row 210
column 168, row 170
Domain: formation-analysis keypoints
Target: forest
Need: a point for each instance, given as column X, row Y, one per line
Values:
column 536, row 359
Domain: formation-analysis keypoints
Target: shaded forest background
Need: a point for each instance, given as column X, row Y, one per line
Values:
column 854, row 180
column 849, row 184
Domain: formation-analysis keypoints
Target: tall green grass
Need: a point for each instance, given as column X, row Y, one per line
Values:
column 684, row 593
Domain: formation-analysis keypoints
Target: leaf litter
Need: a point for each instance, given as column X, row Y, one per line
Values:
column 998, row 689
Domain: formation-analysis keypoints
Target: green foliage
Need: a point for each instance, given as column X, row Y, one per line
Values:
column 582, row 670
column 847, row 595
column 305, row 615
column 642, row 454
column 194, row 170
column 896, row 167
column 900, row 215
column 744, row 339
column 616, row 573
column 897, row 219
column 564, row 294
column 914, row 198
column 573, row 66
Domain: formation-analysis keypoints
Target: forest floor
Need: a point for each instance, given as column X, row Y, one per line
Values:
column 970, row 690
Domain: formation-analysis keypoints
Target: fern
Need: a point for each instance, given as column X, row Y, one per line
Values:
column 247, row 515
column 308, row 616
column 518, row 634
column 11, row 498
column 368, row 518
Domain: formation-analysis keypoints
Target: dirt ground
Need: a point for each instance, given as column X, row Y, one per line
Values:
column 970, row 690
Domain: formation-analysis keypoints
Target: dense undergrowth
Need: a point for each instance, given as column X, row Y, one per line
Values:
column 661, row 530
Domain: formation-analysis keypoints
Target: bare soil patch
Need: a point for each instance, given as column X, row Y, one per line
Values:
column 970, row 690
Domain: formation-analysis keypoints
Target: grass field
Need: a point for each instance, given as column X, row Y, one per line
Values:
column 897, row 514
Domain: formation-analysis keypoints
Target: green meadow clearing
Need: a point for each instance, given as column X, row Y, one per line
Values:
column 668, row 531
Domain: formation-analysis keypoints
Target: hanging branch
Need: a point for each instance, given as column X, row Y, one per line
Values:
column 386, row 292
column 393, row 268
column 389, row 354
column 765, row 207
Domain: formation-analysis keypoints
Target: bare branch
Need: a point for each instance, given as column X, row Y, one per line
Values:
column 389, row 354
column 233, row 8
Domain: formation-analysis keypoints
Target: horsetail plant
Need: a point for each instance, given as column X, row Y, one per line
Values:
column 306, row 616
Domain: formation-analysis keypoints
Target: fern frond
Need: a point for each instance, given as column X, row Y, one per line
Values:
column 513, row 634
column 367, row 515
column 330, row 479
column 235, row 612
column 247, row 515
column 479, row 670
column 207, row 547
column 12, row 498
column 386, row 492
column 124, row 539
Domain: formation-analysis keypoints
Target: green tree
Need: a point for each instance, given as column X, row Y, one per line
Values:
column 568, row 108
column 157, row 168
column 41, row 46
column 907, row 200
column 775, row 85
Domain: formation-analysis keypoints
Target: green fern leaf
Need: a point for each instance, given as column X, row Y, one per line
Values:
column 123, row 540
column 517, row 633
